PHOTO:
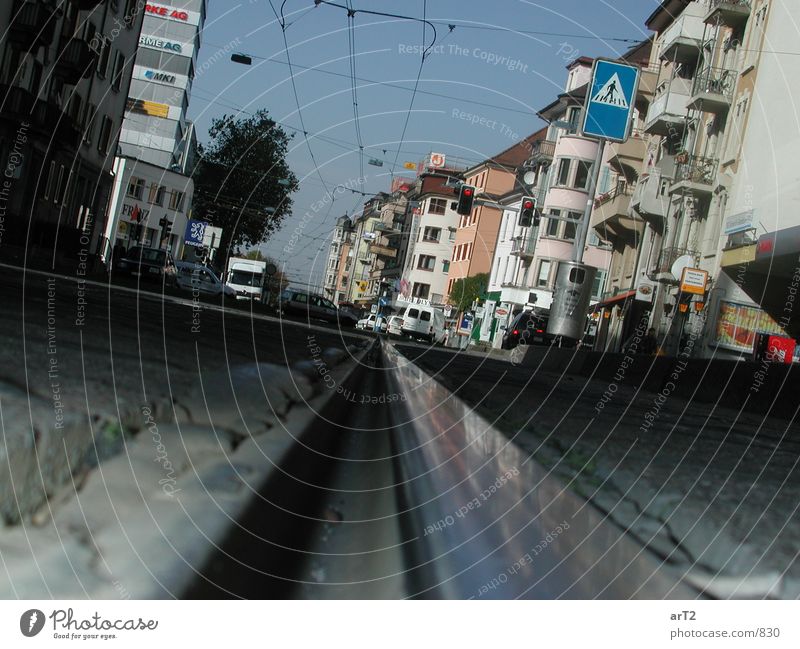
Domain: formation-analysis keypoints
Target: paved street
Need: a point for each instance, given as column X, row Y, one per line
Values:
column 85, row 363
column 706, row 488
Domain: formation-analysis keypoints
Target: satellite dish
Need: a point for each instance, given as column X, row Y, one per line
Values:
column 529, row 178
column 684, row 261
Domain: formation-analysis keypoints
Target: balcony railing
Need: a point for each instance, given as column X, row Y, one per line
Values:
column 713, row 89
column 523, row 245
column 683, row 39
column 696, row 170
column 732, row 13
column 669, row 256
column 541, row 151
column 622, row 189
column 33, row 24
column 75, row 61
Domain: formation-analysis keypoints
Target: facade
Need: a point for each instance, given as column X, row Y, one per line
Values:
column 431, row 238
column 333, row 275
column 157, row 142
column 711, row 196
column 143, row 195
column 473, row 248
column 64, row 79
column 363, row 290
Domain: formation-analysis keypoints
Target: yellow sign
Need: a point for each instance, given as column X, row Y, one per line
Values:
column 148, row 107
column 694, row 280
column 409, row 165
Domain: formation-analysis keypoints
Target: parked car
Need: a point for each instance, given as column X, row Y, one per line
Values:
column 148, row 264
column 368, row 323
column 526, row 328
column 395, row 326
column 302, row 303
column 424, row 322
column 196, row 277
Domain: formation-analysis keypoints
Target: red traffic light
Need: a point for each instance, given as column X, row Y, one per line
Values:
column 527, row 205
column 467, row 191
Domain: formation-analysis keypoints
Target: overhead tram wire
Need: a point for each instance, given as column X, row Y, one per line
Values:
column 282, row 22
column 351, row 37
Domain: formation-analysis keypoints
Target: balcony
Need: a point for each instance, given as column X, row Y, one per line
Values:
column 542, row 151
column 611, row 216
column 667, row 113
column 713, row 90
column 669, row 256
column 75, row 61
column 523, row 246
column 628, row 156
column 695, row 175
column 648, row 82
column 33, row 25
column 15, row 102
column 650, row 199
column 733, row 13
column 388, row 230
column 382, row 251
column 682, row 41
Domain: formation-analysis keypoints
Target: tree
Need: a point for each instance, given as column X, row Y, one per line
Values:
column 242, row 181
column 254, row 254
column 465, row 291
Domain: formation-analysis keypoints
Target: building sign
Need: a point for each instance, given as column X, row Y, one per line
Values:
column 738, row 324
column 157, row 76
column 739, row 222
column 195, row 233
column 135, row 213
column 159, row 44
column 645, row 291
column 694, row 280
column 172, row 13
column 147, row 107
column 437, row 160
column 163, row 77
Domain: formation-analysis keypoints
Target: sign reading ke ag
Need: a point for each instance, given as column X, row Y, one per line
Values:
column 610, row 100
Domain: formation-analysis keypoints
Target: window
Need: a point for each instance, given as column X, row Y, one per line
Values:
column 426, row 262
column 156, row 194
column 59, row 194
column 437, row 206
column 119, row 66
column 432, row 234
column 88, row 122
column 573, row 115
column 598, row 284
column 563, row 172
column 446, row 266
column 571, row 227
column 543, row 276
column 176, row 201
column 582, row 174
column 48, row 188
column 102, row 60
column 553, row 224
column 421, row 290
column 135, row 187
column 452, row 236
column 104, row 140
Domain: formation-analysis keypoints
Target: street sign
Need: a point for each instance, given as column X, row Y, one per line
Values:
column 195, row 231
column 448, row 310
column 694, row 281
column 610, row 100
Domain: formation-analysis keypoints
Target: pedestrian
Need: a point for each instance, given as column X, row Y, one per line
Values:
column 649, row 345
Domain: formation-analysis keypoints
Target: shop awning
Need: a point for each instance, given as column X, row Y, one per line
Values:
column 619, row 297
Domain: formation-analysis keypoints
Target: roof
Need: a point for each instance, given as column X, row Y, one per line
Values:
column 665, row 14
column 514, row 155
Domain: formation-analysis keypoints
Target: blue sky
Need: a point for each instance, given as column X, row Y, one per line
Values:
column 494, row 77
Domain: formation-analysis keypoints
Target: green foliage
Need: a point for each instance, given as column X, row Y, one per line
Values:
column 237, row 179
column 466, row 291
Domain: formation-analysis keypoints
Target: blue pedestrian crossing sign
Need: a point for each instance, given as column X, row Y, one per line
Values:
column 610, row 100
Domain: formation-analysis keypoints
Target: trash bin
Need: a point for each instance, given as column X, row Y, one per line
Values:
column 571, row 297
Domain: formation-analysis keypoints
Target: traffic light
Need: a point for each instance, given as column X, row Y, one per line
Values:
column 466, row 196
column 528, row 214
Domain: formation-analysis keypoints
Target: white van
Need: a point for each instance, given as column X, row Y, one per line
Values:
column 425, row 322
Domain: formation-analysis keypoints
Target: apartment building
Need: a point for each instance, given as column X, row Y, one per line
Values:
column 476, row 236
column 431, row 238
column 157, row 141
column 709, row 188
column 64, row 76
column 333, row 276
column 362, row 290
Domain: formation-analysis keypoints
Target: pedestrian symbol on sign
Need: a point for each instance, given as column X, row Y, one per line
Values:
column 610, row 94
